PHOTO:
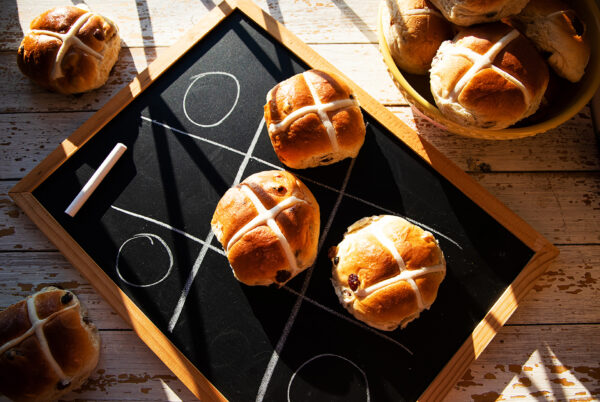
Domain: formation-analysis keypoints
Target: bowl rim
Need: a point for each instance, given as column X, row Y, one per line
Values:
column 431, row 111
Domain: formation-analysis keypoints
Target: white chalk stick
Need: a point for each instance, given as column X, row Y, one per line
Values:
column 96, row 179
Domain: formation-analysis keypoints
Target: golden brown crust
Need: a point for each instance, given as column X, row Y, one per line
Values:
column 79, row 70
column 305, row 141
column 28, row 370
column 257, row 256
column 413, row 39
column 497, row 95
column 367, row 277
column 559, row 33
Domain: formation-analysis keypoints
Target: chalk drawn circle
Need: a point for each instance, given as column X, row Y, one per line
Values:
column 324, row 355
column 150, row 237
column 194, row 79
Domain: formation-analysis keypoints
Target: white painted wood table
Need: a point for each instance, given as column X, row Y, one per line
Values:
column 550, row 348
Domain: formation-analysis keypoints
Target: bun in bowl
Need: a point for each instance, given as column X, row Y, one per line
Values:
column 314, row 119
column 414, row 30
column 488, row 76
column 470, row 12
column 559, row 33
column 48, row 347
column 269, row 227
column 69, row 50
column 386, row 271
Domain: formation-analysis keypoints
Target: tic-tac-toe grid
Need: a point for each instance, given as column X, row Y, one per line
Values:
column 254, row 342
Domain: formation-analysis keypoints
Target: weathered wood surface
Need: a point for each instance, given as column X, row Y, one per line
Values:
column 550, row 348
column 148, row 23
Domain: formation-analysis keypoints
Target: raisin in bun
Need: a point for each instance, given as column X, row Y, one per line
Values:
column 413, row 30
column 48, row 347
column 558, row 33
column 69, row 50
column 488, row 76
column 314, row 119
column 470, row 12
column 386, row 271
column 269, row 227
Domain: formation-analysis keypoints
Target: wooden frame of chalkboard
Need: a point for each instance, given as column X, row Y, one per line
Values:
column 36, row 193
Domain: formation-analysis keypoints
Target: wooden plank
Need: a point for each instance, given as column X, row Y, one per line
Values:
column 569, row 147
column 564, row 207
column 17, row 231
column 158, row 23
column 29, row 137
column 544, row 363
column 567, row 292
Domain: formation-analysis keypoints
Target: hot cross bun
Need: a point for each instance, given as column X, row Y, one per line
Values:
column 413, row 30
column 269, row 227
column 69, row 49
column 556, row 30
column 488, row 76
column 48, row 347
column 386, row 271
column 314, row 119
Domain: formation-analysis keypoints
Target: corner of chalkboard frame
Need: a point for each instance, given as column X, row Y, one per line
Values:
column 22, row 194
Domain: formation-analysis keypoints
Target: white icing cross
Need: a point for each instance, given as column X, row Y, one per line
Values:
column 407, row 275
column 68, row 39
column 420, row 11
column 320, row 108
column 37, row 327
column 268, row 217
column 482, row 61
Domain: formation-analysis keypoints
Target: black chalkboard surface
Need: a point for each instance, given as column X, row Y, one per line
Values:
column 196, row 130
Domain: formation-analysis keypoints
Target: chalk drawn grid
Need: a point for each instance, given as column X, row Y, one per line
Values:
column 206, row 245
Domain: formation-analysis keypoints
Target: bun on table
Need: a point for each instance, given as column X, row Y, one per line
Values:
column 48, row 346
column 69, row 49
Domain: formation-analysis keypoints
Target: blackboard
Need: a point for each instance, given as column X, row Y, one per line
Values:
column 195, row 129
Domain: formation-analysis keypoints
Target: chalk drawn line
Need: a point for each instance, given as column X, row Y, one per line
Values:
column 209, row 237
column 271, row 165
column 361, row 371
column 150, row 237
column 202, row 75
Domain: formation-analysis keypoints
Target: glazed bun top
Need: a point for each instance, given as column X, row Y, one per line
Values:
column 488, row 76
column 269, row 227
column 386, row 271
column 69, row 49
column 314, row 119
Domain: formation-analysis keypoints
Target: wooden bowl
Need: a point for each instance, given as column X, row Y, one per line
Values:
column 566, row 98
